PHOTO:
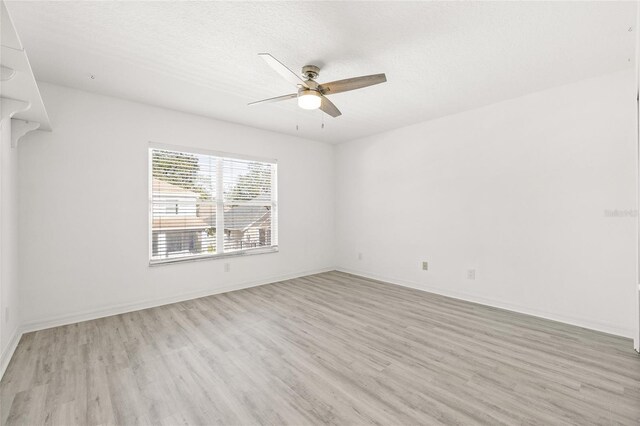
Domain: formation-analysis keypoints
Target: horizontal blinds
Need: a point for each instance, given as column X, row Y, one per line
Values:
column 247, row 204
column 188, row 219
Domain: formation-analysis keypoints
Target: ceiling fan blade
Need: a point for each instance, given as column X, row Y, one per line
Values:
column 281, row 69
column 276, row 99
column 328, row 107
column 351, row 84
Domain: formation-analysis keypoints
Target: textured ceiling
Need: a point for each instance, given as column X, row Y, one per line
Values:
column 439, row 57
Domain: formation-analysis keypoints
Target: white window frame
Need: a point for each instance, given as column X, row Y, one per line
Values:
column 273, row 248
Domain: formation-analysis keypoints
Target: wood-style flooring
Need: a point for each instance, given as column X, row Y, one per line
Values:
column 328, row 348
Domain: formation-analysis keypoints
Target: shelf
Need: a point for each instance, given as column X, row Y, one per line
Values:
column 19, row 93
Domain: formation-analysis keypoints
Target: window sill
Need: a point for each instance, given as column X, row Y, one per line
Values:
column 239, row 253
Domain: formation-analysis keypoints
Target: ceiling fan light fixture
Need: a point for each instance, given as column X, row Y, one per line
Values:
column 309, row 99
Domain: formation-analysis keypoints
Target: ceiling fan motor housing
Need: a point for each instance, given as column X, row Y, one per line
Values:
column 310, row 71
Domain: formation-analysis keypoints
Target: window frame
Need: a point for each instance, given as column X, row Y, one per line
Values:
column 273, row 248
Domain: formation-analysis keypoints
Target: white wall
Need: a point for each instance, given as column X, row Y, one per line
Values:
column 84, row 208
column 9, row 309
column 636, row 336
column 516, row 190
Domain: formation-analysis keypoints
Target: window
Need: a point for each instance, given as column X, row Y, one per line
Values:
column 208, row 205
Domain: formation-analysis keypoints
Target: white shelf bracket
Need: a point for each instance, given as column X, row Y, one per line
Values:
column 19, row 128
column 6, row 73
column 10, row 107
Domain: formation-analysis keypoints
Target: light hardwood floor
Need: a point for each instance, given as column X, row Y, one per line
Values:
column 329, row 348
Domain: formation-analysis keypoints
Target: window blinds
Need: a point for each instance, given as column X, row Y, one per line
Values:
column 208, row 205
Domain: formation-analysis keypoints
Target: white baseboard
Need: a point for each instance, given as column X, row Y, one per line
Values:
column 580, row 322
column 7, row 353
column 107, row 311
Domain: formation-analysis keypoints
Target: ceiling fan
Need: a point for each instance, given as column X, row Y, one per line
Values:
column 312, row 95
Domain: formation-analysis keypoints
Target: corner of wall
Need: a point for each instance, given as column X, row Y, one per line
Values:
column 9, row 350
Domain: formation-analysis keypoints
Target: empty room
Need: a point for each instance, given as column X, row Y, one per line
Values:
column 308, row 212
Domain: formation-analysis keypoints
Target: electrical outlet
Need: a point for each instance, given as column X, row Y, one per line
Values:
column 471, row 274
column 227, row 267
column 425, row 266
column 359, row 256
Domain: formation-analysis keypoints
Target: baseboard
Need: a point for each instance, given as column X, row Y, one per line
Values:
column 7, row 353
column 57, row 321
column 579, row 322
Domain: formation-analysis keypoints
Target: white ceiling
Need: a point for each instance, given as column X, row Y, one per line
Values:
column 439, row 57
